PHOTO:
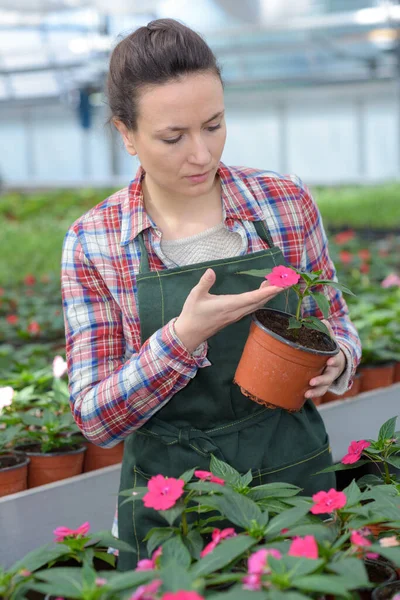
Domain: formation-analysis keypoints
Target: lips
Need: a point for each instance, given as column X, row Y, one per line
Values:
column 199, row 174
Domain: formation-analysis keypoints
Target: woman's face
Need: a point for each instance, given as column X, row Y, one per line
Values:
column 180, row 133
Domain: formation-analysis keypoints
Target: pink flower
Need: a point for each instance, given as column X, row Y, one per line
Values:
column 12, row 319
column 396, row 597
column 207, row 476
column 6, row 396
column 34, row 327
column 148, row 564
column 147, row 592
column 163, row 492
column 391, row 280
column 258, row 561
column 364, row 254
column 306, row 546
column 100, row 581
column 217, row 536
column 252, row 582
column 182, row 595
column 59, row 367
column 354, row 452
column 345, row 257
column 327, row 502
column 62, row 532
column 30, row 279
column 282, row 276
column 344, row 236
column 357, row 539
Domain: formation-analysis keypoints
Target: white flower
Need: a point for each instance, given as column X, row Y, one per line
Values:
column 59, row 366
column 387, row 542
column 6, row 397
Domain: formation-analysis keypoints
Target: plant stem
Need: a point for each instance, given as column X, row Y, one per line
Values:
column 387, row 473
column 185, row 529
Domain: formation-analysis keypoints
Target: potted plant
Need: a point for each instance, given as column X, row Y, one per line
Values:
column 13, row 467
column 284, row 352
column 53, row 454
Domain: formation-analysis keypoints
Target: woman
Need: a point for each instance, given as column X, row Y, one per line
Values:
column 156, row 318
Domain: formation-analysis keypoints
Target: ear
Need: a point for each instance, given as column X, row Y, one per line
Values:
column 127, row 136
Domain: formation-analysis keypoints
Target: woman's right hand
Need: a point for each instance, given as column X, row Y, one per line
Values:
column 204, row 314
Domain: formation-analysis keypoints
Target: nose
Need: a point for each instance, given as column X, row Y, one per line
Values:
column 199, row 152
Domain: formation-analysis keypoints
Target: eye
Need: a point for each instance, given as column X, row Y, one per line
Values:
column 176, row 140
column 214, row 128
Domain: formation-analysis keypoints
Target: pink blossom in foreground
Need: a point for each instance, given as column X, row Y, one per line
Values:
column 327, row 502
column 182, row 595
column 391, row 280
column 207, row 476
column 354, row 452
column 258, row 561
column 216, row 537
column 25, row 573
column 282, row 277
column 59, row 367
column 147, row 592
column 100, row 581
column 62, row 532
column 163, row 492
column 6, row 396
column 306, row 546
column 257, row 564
column 148, row 564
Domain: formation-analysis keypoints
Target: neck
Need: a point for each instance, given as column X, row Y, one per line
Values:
column 178, row 216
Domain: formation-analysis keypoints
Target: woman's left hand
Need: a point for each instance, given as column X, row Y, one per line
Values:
column 334, row 368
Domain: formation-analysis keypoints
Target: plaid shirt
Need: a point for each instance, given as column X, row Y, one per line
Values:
column 117, row 384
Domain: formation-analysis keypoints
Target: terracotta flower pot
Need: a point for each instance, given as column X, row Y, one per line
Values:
column 52, row 466
column 376, row 376
column 13, row 473
column 355, row 390
column 97, row 457
column 276, row 372
column 396, row 373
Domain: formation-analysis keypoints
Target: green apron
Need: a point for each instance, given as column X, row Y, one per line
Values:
column 210, row 415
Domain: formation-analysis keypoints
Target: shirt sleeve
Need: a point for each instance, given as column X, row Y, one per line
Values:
column 111, row 397
column 316, row 257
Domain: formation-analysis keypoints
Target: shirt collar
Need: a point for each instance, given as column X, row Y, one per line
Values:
column 238, row 203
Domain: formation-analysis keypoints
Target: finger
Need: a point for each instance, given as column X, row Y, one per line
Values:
column 327, row 377
column 206, row 282
column 316, row 392
column 252, row 300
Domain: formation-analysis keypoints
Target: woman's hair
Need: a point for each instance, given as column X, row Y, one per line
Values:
column 162, row 51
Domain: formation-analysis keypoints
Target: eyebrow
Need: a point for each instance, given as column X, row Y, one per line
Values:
column 179, row 128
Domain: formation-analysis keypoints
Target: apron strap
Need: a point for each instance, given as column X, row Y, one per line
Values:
column 260, row 227
column 200, row 441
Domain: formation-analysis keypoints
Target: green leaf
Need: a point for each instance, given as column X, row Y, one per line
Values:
column 240, row 594
column 342, row 467
column 286, row 519
column 336, row 285
column 194, row 543
column 301, row 566
column 118, row 582
column 352, row 569
column 106, row 539
column 222, row 555
column 388, row 429
column 246, row 479
column 394, row 461
column 294, row 323
column 238, row 509
column 66, row 582
column 174, row 551
column 353, row 494
column 273, row 490
column 187, row 475
column 224, row 471
column 173, row 513
column 315, row 323
column 326, row 584
column 323, row 303
column 254, row 272
column 156, row 537
column 40, row 556
column 175, row 577
column 392, row 554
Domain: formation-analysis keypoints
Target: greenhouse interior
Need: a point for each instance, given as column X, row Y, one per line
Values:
column 123, row 475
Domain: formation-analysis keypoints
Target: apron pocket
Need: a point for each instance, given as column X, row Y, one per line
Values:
column 301, row 472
